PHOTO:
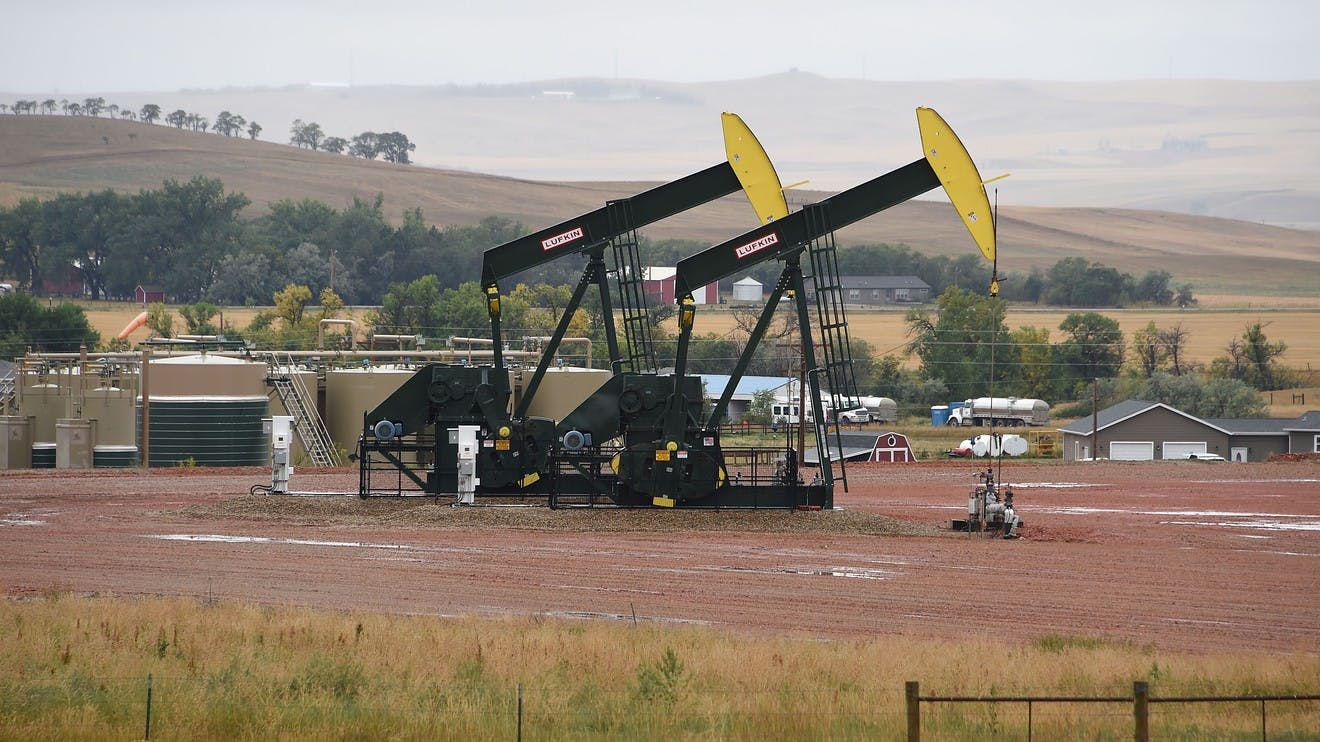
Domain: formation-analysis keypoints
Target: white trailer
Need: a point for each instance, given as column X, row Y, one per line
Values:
column 1005, row 411
column 882, row 409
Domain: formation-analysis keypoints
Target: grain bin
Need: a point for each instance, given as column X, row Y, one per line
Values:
column 206, row 410
column 748, row 289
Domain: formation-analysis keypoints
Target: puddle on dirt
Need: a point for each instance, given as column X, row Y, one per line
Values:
column 1263, row 525
column 594, row 615
column 857, row 573
column 1053, row 485
column 601, row 589
column 225, row 539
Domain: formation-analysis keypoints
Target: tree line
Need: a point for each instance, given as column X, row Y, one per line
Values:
column 390, row 146
column 966, row 349
column 192, row 241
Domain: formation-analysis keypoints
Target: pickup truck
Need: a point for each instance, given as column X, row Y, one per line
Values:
column 856, row 416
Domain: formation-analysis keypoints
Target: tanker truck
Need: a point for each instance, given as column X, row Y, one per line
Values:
column 1005, row 411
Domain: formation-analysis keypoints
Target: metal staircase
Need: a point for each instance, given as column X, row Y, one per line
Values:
column 639, row 352
column 830, row 317
column 302, row 406
column 8, row 387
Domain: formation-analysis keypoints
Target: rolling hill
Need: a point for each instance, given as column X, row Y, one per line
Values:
column 1237, row 260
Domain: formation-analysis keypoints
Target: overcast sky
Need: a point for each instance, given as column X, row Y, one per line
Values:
column 70, row 46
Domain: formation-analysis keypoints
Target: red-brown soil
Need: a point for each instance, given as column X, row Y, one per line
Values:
column 1174, row 555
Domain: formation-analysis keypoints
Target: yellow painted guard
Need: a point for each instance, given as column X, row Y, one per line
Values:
column 754, row 170
column 663, row 502
column 956, row 171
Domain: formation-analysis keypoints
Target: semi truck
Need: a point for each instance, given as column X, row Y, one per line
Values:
column 1005, row 411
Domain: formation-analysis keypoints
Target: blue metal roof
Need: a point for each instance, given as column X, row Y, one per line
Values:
column 747, row 385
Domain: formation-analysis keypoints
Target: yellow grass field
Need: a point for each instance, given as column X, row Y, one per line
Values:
column 1209, row 330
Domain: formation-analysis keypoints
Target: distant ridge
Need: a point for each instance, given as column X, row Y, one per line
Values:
column 44, row 155
column 1235, row 149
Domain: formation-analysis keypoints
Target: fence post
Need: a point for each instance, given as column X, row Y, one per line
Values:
column 1141, row 710
column 147, row 734
column 520, row 712
column 912, row 691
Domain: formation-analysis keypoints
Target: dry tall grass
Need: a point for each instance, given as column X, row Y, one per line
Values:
column 77, row 668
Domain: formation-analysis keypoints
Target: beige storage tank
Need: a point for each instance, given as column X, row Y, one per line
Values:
column 74, row 438
column 15, row 442
column 44, row 403
column 115, row 412
column 113, row 409
column 561, row 389
column 206, row 375
column 350, row 392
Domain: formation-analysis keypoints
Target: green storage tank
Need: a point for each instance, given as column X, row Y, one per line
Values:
column 206, row 411
column 112, row 457
column 43, row 455
column 207, row 431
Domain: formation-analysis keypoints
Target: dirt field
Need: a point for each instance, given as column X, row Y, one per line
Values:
column 1171, row 555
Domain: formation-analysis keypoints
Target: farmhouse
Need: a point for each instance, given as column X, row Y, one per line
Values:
column 882, row 290
column 1136, row 430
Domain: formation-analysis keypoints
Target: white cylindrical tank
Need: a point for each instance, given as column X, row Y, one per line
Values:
column 748, row 289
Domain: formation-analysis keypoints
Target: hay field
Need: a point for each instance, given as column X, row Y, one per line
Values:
column 1209, row 330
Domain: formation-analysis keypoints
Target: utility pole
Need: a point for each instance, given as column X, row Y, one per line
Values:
column 1095, row 414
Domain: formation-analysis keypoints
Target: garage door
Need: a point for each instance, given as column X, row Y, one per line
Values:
column 1132, row 451
column 1182, row 450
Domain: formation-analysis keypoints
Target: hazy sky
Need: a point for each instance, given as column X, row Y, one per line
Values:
column 70, row 46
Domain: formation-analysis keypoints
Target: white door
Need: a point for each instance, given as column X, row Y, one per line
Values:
column 1237, row 453
column 1182, row 450
column 1132, row 450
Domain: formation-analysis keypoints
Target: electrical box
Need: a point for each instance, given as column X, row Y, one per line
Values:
column 465, row 438
column 281, row 442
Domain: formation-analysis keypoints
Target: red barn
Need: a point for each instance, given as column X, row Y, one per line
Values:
column 148, row 294
column 658, row 282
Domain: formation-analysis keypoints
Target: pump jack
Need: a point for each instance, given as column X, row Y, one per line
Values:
column 514, row 450
column 671, row 456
